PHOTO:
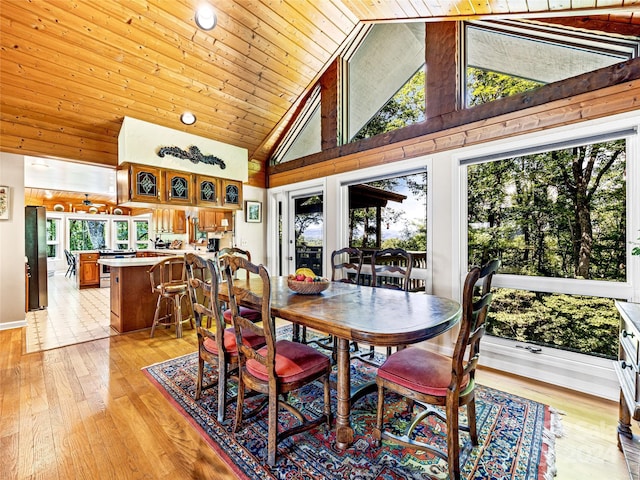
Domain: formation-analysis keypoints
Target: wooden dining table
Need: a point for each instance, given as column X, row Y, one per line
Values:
column 374, row 316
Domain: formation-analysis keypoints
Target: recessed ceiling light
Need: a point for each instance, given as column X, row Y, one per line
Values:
column 188, row 118
column 206, row 18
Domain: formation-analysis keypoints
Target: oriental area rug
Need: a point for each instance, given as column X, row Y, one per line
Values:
column 516, row 435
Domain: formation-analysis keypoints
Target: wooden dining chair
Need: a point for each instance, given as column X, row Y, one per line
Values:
column 432, row 379
column 246, row 312
column 216, row 344
column 390, row 268
column 345, row 262
column 275, row 369
column 168, row 281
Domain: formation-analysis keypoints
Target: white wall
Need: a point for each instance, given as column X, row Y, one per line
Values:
column 12, row 288
column 252, row 236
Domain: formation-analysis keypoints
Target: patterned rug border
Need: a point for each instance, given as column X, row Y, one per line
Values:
column 546, row 469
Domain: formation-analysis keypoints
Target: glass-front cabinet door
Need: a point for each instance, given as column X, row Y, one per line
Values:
column 231, row 194
column 207, row 191
column 145, row 184
column 179, row 187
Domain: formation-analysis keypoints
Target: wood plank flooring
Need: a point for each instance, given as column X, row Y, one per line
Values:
column 87, row 411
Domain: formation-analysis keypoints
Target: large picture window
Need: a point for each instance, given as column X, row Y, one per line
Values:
column 389, row 58
column 504, row 58
column 560, row 215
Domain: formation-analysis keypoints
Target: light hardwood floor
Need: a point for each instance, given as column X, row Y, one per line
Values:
column 87, row 411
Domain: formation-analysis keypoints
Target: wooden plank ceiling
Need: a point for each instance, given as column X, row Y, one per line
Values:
column 72, row 69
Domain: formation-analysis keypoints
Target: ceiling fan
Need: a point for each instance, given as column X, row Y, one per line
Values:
column 88, row 203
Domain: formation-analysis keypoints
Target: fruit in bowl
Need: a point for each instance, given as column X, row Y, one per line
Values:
column 305, row 281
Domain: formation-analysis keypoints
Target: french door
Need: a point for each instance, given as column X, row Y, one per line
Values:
column 302, row 231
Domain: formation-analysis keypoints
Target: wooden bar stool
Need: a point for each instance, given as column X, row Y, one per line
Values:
column 168, row 281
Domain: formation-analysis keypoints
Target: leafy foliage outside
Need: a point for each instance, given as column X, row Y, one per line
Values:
column 579, row 323
column 406, row 107
column 142, row 234
column 413, row 233
column 553, row 214
column 87, row 234
column 52, row 236
column 484, row 86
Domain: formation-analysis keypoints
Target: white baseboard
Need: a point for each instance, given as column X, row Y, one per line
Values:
column 15, row 324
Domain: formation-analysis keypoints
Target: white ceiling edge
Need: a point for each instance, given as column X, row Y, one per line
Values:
column 68, row 176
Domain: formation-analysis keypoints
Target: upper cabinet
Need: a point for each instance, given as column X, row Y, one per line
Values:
column 179, row 187
column 207, row 191
column 140, row 184
column 144, row 185
column 231, row 194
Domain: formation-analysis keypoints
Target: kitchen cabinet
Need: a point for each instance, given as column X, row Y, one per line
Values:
column 627, row 369
column 146, row 186
column 139, row 184
column 88, row 270
column 207, row 191
column 211, row 220
column 179, row 187
column 169, row 220
column 231, row 194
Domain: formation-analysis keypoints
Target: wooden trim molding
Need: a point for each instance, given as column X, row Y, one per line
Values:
column 604, row 92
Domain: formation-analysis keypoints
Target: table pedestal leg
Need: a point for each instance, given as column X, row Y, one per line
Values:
column 344, row 432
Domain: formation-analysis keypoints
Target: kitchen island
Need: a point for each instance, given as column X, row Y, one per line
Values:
column 133, row 303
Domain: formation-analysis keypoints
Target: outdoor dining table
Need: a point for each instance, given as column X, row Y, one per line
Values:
column 374, row 316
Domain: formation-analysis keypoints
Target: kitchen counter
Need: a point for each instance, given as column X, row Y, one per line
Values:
column 148, row 261
column 133, row 303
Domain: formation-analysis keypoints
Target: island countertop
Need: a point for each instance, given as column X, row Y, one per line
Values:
column 147, row 261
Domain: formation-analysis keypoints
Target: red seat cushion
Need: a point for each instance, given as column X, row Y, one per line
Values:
column 294, row 361
column 248, row 313
column 419, row 370
column 249, row 338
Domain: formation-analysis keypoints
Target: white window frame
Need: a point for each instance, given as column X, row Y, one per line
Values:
column 572, row 370
column 56, row 241
column 114, row 233
column 133, row 232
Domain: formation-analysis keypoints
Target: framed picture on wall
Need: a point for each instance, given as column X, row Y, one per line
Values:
column 4, row 203
column 253, row 212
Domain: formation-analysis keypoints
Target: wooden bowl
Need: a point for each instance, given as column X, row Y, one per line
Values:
column 307, row 288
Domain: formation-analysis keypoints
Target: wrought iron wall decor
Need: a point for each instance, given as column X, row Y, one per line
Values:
column 193, row 154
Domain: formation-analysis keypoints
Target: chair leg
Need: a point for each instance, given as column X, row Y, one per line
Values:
column 156, row 316
column 177, row 311
column 377, row 431
column 453, row 446
column 239, row 404
column 471, row 420
column 272, row 434
column 327, row 400
column 199, row 380
column 222, row 388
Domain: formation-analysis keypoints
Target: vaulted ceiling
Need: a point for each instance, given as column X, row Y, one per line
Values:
column 71, row 70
